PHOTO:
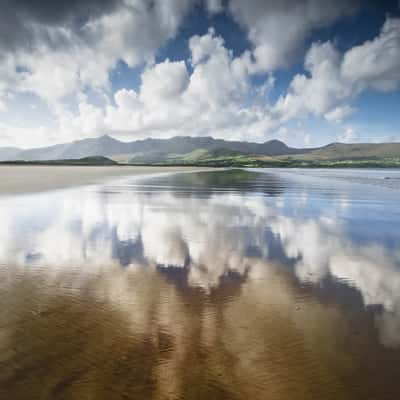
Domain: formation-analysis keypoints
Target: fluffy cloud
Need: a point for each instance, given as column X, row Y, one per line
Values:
column 320, row 93
column 164, row 82
column 25, row 23
column 58, row 53
column 64, row 55
column 211, row 99
column 278, row 29
column 214, row 6
column 217, row 97
column 376, row 63
column 339, row 113
column 55, row 51
column 335, row 79
column 22, row 136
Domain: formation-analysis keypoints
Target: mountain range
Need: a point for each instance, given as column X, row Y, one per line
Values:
column 201, row 150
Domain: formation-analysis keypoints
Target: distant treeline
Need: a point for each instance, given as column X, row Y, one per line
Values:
column 99, row 161
column 232, row 163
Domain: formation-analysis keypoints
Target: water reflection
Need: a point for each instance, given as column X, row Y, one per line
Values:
column 197, row 285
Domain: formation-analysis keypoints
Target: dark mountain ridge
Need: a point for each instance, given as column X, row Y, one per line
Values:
column 186, row 149
column 108, row 146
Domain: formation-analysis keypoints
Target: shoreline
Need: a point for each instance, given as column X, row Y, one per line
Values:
column 20, row 179
column 217, row 163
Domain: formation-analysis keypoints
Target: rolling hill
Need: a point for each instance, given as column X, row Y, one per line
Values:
column 94, row 161
column 144, row 150
column 209, row 151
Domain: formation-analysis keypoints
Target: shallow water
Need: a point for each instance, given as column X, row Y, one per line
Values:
column 272, row 284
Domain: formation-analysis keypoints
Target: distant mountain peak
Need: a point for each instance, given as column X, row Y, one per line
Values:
column 276, row 141
column 187, row 148
column 106, row 137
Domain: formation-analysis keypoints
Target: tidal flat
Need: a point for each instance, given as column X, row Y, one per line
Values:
column 18, row 179
column 230, row 284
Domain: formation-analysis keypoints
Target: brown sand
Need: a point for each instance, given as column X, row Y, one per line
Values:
column 37, row 178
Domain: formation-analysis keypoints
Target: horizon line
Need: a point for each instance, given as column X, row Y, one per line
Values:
column 197, row 137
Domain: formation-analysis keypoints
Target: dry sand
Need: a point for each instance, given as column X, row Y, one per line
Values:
column 17, row 179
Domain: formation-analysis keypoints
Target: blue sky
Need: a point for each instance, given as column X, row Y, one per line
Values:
column 305, row 72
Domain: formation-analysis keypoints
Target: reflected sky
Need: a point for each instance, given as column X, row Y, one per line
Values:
column 305, row 263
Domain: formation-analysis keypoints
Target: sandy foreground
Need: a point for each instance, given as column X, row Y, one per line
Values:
column 28, row 179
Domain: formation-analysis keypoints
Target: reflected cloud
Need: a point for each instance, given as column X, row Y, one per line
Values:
column 208, row 234
column 323, row 249
column 197, row 293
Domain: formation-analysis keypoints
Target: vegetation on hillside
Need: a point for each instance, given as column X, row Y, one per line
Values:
column 204, row 159
column 94, row 161
column 206, row 151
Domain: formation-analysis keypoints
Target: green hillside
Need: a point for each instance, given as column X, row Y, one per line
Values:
column 95, row 161
column 333, row 155
column 206, row 151
column 341, row 151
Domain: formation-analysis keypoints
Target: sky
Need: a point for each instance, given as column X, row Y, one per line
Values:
column 307, row 72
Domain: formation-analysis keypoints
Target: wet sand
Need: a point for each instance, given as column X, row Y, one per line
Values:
column 18, row 179
column 136, row 334
column 223, row 285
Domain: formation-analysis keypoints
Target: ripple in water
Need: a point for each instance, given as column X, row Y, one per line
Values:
column 226, row 285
